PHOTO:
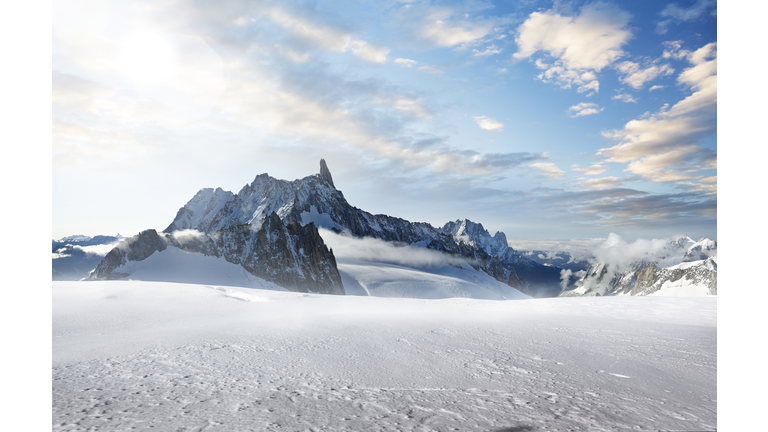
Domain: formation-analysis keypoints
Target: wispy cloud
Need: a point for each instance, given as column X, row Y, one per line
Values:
column 624, row 97
column 437, row 70
column 595, row 169
column 405, row 104
column 675, row 14
column 346, row 247
column 601, row 183
column 549, row 170
column 457, row 25
column 446, row 28
column 584, row 109
column 636, row 76
column 326, row 36
column 489, row 51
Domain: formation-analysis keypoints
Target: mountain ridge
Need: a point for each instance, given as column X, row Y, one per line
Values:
column 315, row 198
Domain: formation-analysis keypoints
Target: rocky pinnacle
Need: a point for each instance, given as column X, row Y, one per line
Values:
column 325, row 173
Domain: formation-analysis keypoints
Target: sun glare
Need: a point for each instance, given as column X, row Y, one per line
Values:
column 147, row 58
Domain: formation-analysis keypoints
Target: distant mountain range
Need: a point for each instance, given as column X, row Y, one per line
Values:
column 682, row 267
column 75, row 256
column 270, row 230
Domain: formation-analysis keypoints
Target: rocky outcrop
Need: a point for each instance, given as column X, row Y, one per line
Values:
column 325, row 173
column 204, row 205
column 294, row 256
column 136, row 248
column 701, row 250
column 653, row 278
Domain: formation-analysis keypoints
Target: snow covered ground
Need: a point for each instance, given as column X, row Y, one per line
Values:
column 391, row 280
column 130, row 355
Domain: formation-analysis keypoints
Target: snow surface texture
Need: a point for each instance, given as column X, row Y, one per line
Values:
column 131, row 355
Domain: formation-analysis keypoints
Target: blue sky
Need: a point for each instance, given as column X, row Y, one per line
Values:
column 541, row 119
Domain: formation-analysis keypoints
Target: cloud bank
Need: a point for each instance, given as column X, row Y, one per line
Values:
column 665, row 146
column 349, row 248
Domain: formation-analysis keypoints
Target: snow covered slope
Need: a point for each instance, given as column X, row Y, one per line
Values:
column 176, row 265
column 131, row 355
column 392, row 280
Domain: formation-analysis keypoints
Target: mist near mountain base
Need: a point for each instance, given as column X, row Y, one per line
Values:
column 347, row 247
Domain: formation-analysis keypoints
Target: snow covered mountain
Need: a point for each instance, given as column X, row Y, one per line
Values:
column 682, row 267
column 290, row 255
column 315, row 199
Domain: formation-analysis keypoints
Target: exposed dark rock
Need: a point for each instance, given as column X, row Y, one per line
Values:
column 293, row 256
column 325, row 173
column 136, row 248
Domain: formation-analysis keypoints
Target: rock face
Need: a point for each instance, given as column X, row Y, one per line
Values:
column 291, row 256
column 136, row 248
column 701, row 250
column 316, row 199
column 206, row 203
column 325, row 173
column 653, row 278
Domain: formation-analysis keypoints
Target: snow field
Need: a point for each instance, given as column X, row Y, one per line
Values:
column 131, row 355
column 392, row 280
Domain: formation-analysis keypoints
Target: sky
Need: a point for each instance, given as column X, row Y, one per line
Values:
column 541, row 119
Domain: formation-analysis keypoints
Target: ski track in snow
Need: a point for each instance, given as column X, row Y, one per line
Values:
column 181, row 357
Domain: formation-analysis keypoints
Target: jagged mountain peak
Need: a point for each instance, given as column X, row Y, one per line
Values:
column 700, row 250
column 325, row 173
column 475, row 234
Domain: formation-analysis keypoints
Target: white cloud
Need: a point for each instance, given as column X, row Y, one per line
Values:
column 287, row 112
column 488, row 124
column 584, row 109
column 405, row 62
column 550, row 170
column 656, row 87
column 431, row 69
column 664, row 147
column 595, row 169
column 601, row 183
column 327, row 37
column 674, row 49
column 674, row 13
column 580, row 45
column 405, row 104
column 369, row 52
column 489, row 51
column 624, row 97
column 444, row 27
column 636, row 76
